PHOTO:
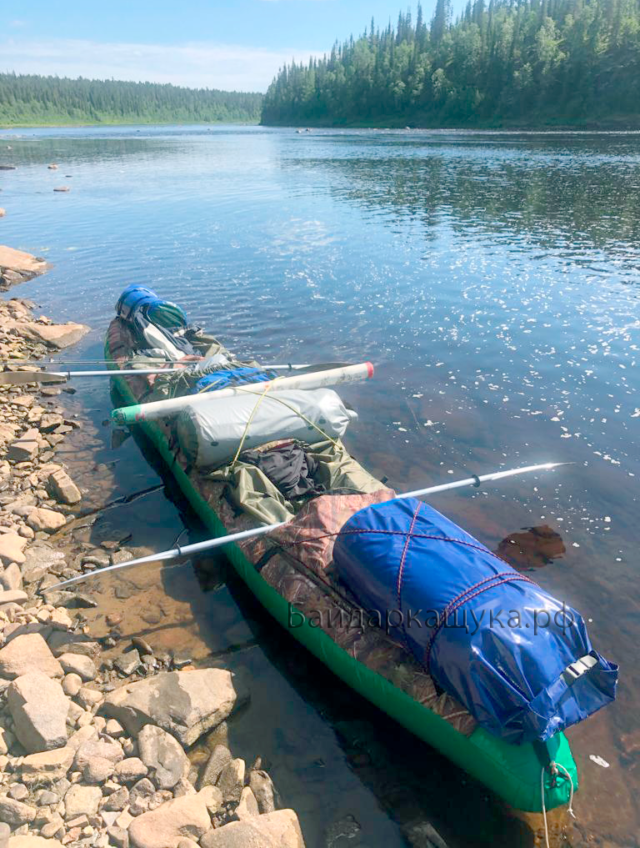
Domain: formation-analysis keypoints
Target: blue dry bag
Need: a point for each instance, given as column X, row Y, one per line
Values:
column 519, row 660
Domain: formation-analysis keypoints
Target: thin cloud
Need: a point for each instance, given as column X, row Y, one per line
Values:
column 198, row 65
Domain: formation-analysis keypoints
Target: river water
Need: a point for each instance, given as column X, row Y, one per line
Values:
column 493, row 279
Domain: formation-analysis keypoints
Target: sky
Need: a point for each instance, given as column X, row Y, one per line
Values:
column 228, row 44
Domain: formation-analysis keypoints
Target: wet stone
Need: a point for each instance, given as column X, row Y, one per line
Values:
column 219, row 758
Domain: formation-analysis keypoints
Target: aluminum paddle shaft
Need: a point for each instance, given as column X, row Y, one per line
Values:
column 211, row 544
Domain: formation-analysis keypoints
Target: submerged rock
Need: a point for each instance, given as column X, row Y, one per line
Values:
column 184, row 703
column 219, row 758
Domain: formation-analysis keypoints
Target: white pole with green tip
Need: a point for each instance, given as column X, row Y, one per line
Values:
column 318, row 379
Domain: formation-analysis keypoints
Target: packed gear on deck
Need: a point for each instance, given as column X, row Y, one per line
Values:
column 289, row 467
column 517, row 658
column 213, row 433
column 222, row 378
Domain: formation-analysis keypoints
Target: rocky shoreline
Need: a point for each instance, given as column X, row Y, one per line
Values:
column 93, row 747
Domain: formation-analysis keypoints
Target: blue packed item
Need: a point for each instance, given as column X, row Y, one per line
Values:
column 162, row 313
column 132, row 299
column 232, row 377
column 519, row 660
column 158, row 324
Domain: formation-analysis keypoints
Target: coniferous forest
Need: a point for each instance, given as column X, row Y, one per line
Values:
column 502, row 62
column 28, row 100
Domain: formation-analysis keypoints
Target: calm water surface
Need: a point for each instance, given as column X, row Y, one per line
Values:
column 493, row 279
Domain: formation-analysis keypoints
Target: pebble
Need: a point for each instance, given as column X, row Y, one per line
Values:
column 71, row 684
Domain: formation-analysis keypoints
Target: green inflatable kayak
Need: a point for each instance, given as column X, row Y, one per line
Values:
column 520, row 775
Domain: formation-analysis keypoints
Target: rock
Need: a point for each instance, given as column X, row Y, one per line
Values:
column 54, row 335
column 97, row 759
column 47, row 520
column 85, row 734
column 118, row 836
column 5, row 833
column 52, row 829
column 163, row 755
column 11, row 577
column 219, row 758
column 15, row 813
column 32, row 842
column 72, row 643
column 11, row 548
column 273, row 830
column 39, row 708
column 28, row 653
column 118, row 800
column 25, row 448
column 140, row 796
column 47, row 767
column 131, row 769
column 248, row 806
column 18, row 791
column 78, row 664
column 47, row 423
column 262, row 787
column 212, row 798
column 231, row 780
column 89, row 698
column 71, row 684
column 81, row 800
column 127, row 663
column 47, row 798
column 13, row 596
column 184, row 703
column 114, row 729
column 62, row 487
column 184, row 787
column 40, row 557
column 23, row 263
column 165, row 827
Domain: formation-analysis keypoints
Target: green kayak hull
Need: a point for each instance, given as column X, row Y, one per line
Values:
column 511, row 771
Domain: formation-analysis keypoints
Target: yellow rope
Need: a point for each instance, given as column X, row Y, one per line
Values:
column 284, row 403
column 246, row 429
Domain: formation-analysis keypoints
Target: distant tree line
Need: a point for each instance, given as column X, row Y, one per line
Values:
column 511, row 61
column 30, row 99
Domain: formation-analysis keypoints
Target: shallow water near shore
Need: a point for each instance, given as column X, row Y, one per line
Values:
column 493, row 279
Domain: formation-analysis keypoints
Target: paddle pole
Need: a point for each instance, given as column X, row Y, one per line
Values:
column 22, row 378
column 211, row 544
